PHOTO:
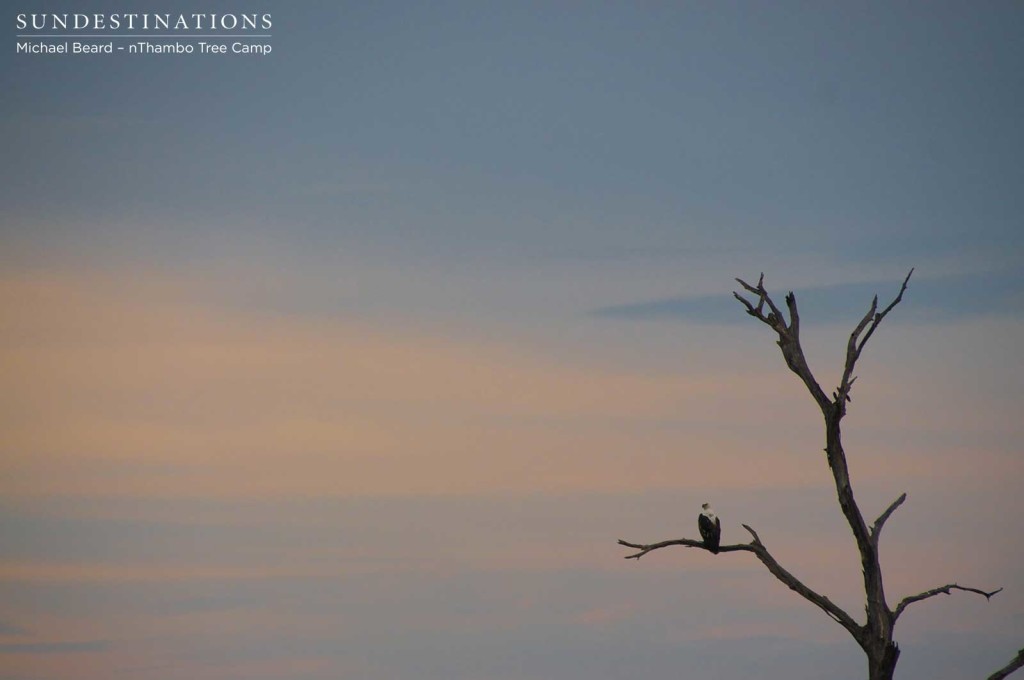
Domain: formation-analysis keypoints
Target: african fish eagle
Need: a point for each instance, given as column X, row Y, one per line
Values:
column 710, row 528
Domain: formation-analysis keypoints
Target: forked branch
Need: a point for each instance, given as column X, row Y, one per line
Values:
column 774, row 317
column 789, row 334
column 859, row 337
column 789, row 337
column 942, row 590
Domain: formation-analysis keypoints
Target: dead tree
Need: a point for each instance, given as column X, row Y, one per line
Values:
column 875, row 633
column 1015, row 663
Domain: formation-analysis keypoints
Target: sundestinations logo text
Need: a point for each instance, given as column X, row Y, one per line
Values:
column 135, row 21
column 205, row 33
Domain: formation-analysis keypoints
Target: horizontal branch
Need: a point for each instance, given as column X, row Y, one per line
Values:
column 1015, row 663
column 758, row 548
column 685, row 542
column 942, row 590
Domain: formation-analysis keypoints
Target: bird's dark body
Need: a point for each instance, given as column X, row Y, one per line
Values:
column 710, row 531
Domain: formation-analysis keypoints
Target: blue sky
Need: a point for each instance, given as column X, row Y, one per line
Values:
column 354, row 360
column 543, row 130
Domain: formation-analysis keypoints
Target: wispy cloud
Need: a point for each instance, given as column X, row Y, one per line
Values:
column 54, row 647
column 927, row 300
column 9, row 629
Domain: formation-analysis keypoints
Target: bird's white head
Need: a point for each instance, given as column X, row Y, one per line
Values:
column 706, row 506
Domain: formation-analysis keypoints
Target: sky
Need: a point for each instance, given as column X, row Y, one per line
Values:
column 354, row 360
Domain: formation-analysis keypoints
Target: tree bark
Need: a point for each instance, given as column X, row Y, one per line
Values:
column 1017, row 662
column 882, row 658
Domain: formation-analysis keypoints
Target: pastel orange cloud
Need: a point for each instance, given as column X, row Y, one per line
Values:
column 143, row 391
column 151, row 389
column 162, row 572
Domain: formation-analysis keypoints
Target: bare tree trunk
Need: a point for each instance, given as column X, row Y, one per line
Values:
column 882, row 658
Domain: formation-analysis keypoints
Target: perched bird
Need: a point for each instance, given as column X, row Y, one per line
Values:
column 710, row 528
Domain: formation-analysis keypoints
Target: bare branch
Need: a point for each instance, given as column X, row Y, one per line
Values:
column 789, row 335
column 881, row 315
column 797, row 586
column 774, row 318
column 685, row 542
column 751, row 310
column 942, row 590
column 1017, row 662
column 794, row 315
column 876, row 528
column 853, row 353
column 758, row 548
column 855, row 345
column 757, row 539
